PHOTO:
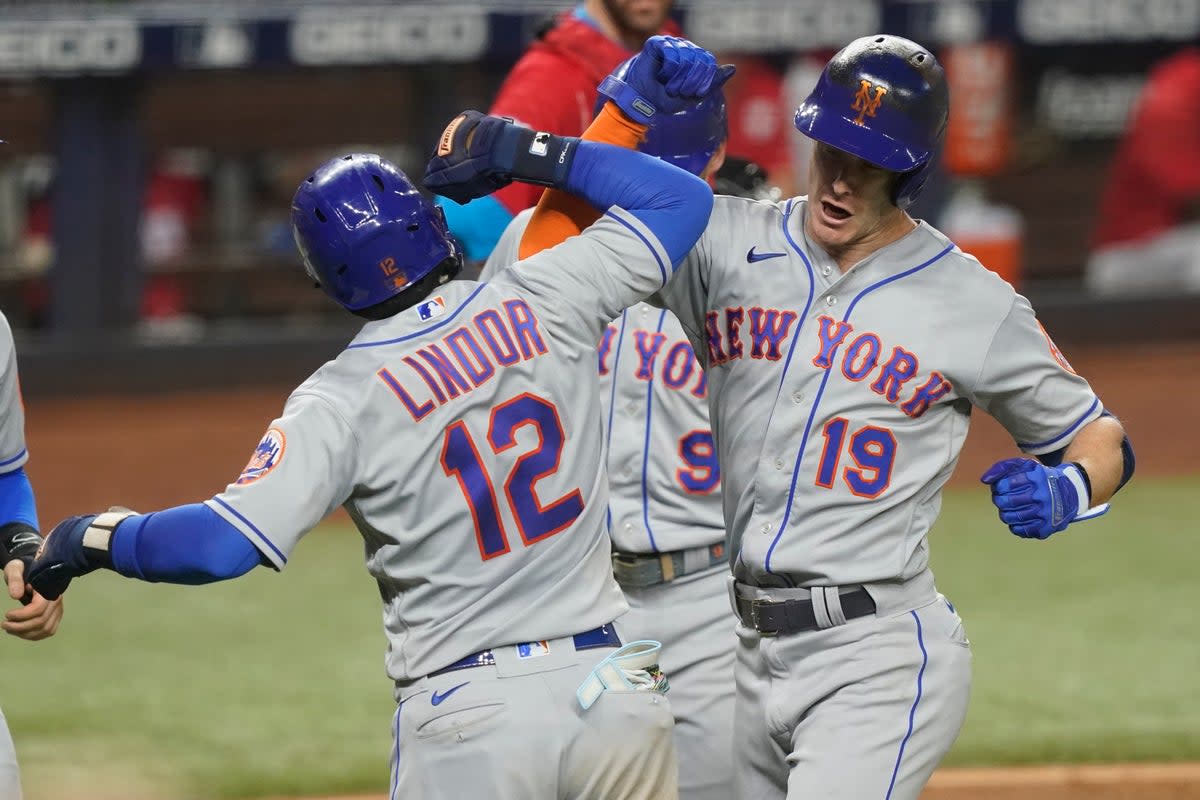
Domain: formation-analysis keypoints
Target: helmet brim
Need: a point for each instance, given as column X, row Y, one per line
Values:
column 871, row 144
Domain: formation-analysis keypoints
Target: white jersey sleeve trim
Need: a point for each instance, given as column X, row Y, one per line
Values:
column 248, row 529
column 648, row 238
column 1050, row 445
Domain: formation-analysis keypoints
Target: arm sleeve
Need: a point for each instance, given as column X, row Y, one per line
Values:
column 559, row 215
column 1030, row 388
column 303, row 468
column 12, row 412
column 16, row 499
column 673, row 205
column 187, row 544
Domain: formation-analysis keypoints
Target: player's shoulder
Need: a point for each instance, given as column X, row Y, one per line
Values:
column 733, row 206
column 736, row 217
column 382, row 342
column 6, row 336
column 966, row 275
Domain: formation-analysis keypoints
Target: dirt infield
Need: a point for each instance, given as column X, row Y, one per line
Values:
column 1092, row 782
column 147, row 452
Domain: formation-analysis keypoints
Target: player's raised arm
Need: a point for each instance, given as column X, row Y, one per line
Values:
column 646, row 86
column 298, row 473
column 478, row 154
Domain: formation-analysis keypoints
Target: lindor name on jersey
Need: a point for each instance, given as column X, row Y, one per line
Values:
column 465, row 359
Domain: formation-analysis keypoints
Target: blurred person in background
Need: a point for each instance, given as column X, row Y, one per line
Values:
column 37, row 617
column 552, row 87
column 1147, row 234
column 760, row 117
column 174, row 205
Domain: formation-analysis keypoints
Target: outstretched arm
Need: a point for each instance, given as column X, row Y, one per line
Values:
column 188, row 544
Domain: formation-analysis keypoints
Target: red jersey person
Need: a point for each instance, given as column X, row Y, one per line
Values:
column 1147, row 234
column 552, row 87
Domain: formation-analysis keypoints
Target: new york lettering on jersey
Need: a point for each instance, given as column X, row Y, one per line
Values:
column 860, row 393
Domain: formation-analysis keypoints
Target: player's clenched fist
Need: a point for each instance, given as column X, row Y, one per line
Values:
column 1034, row 500
column 76, row 546
column 666, row 76
column 478, row 154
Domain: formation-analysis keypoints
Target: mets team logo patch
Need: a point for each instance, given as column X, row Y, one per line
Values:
column 266, row 456
column 1054, row 351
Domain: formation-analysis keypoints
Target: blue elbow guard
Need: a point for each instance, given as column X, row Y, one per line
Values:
column 1128, row 462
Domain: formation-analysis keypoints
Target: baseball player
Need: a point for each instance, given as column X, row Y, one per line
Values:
column 458, row 431
column 552, row 87
column 665, row 516
column 845, row 344
column 37, row 617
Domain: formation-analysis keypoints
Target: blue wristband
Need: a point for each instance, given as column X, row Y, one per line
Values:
column 628, row 99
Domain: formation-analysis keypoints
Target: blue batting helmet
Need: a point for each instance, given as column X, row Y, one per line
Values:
column 367, row 235
column 883, row 99
column 688, row 138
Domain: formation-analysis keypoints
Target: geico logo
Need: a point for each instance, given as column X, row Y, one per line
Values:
column 1087, row 105
column 69, row 45
column 787, row 25
column 378, row 35
column 1042, row 21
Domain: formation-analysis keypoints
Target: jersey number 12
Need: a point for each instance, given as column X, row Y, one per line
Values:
column 535, row 521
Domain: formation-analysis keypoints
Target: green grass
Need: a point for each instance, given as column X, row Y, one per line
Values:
column 1086, row 649
column 1085, row 645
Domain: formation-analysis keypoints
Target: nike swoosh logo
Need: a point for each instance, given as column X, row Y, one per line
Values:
column 752, row 256
column 436, row 699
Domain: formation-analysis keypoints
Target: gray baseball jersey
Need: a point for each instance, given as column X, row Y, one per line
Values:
column 462, row 439
column 844, row 399
column 13, row 454
column 10, row 775
column 664, row 494
column 663, row 475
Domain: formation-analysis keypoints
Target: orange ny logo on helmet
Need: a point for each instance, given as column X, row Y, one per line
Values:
column 864, row 103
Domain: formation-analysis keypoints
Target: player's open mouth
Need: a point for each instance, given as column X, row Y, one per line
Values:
column 834, row 212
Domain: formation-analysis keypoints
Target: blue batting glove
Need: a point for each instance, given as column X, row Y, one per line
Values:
column 669, row 74
column 478, row 154
column 468, row 161
column 76, row 546
column 1036, row 501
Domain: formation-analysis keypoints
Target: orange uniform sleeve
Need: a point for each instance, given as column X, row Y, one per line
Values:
column 560, row 215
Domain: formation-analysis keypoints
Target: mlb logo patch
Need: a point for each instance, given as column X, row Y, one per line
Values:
column 431, row 308
column 266, row 456
column 533, row 649
column 540, row 144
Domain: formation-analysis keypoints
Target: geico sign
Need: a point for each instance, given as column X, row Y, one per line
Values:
column 1045, row 21
column 387, row 34
column 66, row 46
column 758, row 25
